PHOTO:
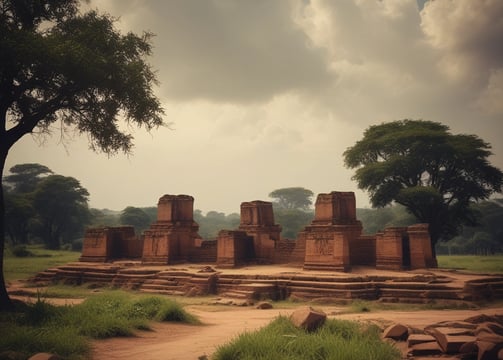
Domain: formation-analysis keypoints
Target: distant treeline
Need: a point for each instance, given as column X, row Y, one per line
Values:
column 43, row 207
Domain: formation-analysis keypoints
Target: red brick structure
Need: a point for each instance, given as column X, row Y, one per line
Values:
column 257, row 221
column 110, row 243
column 172, row 237
column 234, row 248
column 400, row 248
column 334, row 228
column 333, row 241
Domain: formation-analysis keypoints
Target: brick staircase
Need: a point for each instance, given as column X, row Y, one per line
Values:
column 405, row 288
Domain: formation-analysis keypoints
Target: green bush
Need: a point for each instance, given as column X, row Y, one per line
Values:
column 21, row 251
column 335, row 340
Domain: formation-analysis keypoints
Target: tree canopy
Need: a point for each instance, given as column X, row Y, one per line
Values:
column 419, row 164
column 64, row 70
column 61, row 206
column 292, row 198
column 24, row 178
column 136, row 217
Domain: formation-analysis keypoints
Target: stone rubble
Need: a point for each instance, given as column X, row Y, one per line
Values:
column 477, row 338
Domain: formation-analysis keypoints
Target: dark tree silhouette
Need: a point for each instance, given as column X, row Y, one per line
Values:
column 76, row 70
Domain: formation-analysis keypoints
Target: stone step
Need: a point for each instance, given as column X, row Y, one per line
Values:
column 162, row 282
column 368, row 294
column 419, row 293
column 234, row 295
column 162, row 291
column 332, row 285
column 161, row 287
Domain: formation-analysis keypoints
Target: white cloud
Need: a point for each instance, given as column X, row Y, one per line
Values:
column 469, row 34
column 268, row 94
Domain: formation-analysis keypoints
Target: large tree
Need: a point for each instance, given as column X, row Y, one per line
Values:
column 419, row 164
column 292, row 198
column 63, row 70
column 61, row 209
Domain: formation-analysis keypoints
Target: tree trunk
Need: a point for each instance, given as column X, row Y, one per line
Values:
column 5, row 301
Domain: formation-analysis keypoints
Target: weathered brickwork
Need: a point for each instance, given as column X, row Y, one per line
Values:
column 333, row 240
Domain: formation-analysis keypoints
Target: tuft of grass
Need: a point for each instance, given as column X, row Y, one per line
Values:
column 66, row 330
column 336, row 339
column 359, row 306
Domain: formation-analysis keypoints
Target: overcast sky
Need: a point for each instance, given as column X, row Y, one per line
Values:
column 267, row 94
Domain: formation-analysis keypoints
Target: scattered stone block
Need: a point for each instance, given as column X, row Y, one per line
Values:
column 491, row 327
column 415, row 339
column 308, row 318
column 264, row 305
column 396, row 332
column 488, row 350
column 456, row 324
column 451, row 339
column 207, row 269
column 478, row 319
column 425, row 349
column 489, row 332
column 448, row 331
column 469, row 348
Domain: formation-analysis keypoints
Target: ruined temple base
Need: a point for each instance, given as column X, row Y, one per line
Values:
column 277, row 282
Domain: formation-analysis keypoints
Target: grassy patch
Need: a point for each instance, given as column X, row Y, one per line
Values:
column 19, row 268
column 66, row 330
column 337, row 339
column 482, row 264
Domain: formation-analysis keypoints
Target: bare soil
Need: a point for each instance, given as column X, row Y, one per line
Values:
column 188, row 342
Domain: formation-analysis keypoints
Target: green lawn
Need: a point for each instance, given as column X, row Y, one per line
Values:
column 475, row 263
column 18, row 268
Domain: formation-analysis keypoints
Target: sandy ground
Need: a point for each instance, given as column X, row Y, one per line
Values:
column 186, row 342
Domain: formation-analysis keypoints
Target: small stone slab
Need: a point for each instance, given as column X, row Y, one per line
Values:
column 415, row 339
column 308, row 318
column 425, row 349
column 490, row 332
column 450, row 343
column 489, row 350
column 490, row 327
column 396, row 332
column 455, row 324
column 264, row 305
column 469, row 348
column 448, row 330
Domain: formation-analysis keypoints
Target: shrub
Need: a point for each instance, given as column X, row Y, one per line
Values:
column 21, row 251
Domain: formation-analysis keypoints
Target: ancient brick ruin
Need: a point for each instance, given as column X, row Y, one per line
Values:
column 107, row 243
column 332, row 242
column 171, row 238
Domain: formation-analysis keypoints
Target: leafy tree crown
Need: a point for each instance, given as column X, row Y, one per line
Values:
column 421, row 165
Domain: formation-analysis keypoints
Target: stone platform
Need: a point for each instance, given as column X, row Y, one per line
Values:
column 282, row 282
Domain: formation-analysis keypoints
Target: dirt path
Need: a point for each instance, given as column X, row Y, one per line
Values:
column 186, row 342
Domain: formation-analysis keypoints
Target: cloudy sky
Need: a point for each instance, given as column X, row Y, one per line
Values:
column 267, row 94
